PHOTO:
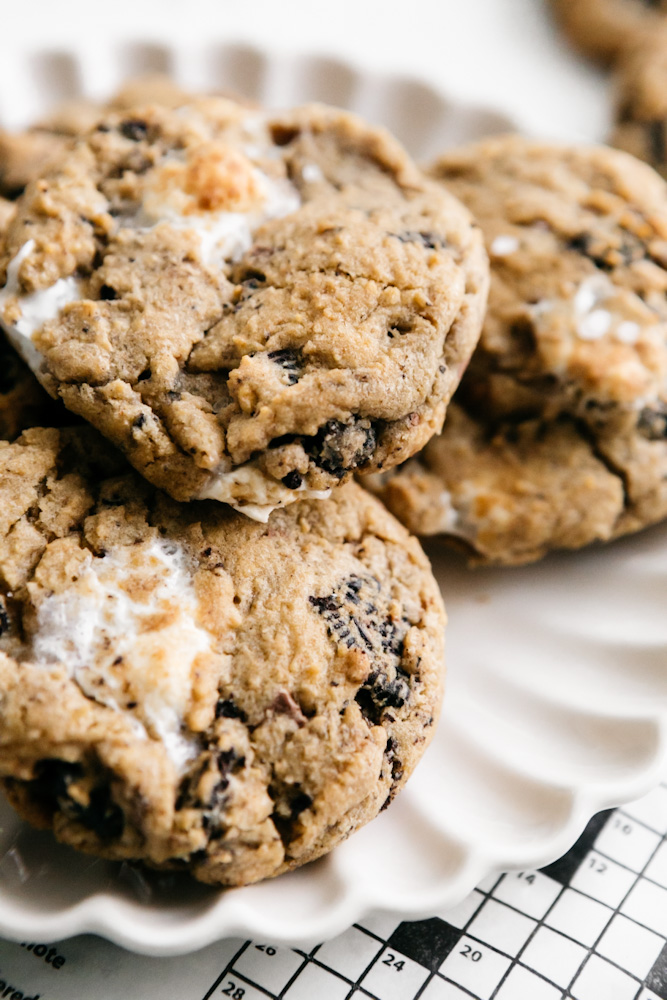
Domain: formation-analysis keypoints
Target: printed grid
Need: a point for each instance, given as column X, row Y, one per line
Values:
column 591, row 925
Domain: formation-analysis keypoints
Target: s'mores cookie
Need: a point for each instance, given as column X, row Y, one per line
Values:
column 252, row 307
column 183, row 686
column 559, row 433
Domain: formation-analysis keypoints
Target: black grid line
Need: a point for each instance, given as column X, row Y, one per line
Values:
column 225, row 971
column 357, row 988
column 593, row 949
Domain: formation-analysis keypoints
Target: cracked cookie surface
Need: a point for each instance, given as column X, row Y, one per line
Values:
column 559, row 433
column 251, row 307
column 185, row 687
column 606, row 29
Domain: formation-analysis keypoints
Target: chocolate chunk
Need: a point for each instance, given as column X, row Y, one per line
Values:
column 299, row 803
column 339, row 448
column 134, row 129
column 108, row 293
column 656, row 140
column 606, row 256
column 53, row 778
column 284, row 704
column 652, row 422
column 354, row 618
column 51, row 787
column 292, row 480
column 396, row 764
column 282, row 135
column 430, row 241
column 4, row 616
column 290, row 803
column 289, row 360
column 228, row 709
column 101, row 815
column 222, row 763
column 227, row 761
column 380, row 692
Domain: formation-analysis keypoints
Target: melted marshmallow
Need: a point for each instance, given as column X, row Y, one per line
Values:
column 267, row 493
column 503, row 245
column 137, row 604
column 36, row 307
column 594, row 310
column 591, row 321
column 223, row 235
column 312, row 173
column 628, row 331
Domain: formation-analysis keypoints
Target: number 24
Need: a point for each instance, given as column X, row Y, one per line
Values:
column 390, row 960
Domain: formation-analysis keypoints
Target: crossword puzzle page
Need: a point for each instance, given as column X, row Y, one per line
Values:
column 591, row 926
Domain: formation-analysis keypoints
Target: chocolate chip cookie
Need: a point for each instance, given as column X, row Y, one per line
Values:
column 182, row 686
column 559, row 435
column 605, row 29
column 252, row 307
column 641, row 104
column 24, row 155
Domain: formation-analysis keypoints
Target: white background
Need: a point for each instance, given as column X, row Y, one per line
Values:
column 505, row 53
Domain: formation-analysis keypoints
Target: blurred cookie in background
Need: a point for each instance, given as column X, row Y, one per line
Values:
column 604, row 29
column 641, row 102
column 506, row 494
column 559, row 436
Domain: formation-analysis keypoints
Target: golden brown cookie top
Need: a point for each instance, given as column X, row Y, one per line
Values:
column 26, row 154
column 238, row 696
column 251, row 306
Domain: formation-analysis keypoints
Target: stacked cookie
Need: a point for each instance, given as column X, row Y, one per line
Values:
column 606, row 29
column 218, row 652
column 631, row 36
column 557, row 436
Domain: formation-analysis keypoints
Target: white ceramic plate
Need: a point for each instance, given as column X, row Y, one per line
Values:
column 557, row 698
